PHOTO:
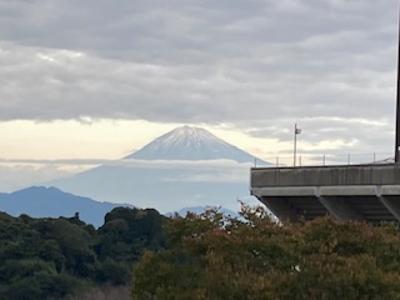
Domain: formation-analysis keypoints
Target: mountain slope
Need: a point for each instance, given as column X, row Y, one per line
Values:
column 190, row 143
column 166, row 184
column 52, row 202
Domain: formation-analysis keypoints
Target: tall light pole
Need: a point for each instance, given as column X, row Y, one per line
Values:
column 297, row 131
column 397, row 149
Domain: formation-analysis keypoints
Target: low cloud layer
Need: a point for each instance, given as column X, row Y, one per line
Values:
column 134, row 163
column 257, row 65
column 14, row 177
column 19, row 173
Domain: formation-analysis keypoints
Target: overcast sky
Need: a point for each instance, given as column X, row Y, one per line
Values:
column 246, row 69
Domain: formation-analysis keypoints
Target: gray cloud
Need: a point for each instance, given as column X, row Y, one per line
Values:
column 258, row 65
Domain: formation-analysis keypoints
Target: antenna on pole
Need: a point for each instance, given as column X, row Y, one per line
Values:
column 397, row 149
column 297, row 131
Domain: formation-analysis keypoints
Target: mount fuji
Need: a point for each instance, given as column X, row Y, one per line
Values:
column 187, row 167
column 191, row 143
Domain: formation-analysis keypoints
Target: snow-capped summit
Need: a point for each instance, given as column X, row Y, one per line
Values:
column 190, row 143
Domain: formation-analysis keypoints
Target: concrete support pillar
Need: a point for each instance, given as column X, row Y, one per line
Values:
column 392, row 205
column 339, row 209
column 281, row 208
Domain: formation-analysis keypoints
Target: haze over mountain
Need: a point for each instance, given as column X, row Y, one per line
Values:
column 51, row 202
column 186, row 167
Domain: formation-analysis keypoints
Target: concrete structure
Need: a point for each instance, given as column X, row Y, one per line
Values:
column 362, row 192
column 356, row 192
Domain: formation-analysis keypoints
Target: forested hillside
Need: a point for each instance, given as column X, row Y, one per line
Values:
column 147, row 256
column 53, row 258
column 211, row 258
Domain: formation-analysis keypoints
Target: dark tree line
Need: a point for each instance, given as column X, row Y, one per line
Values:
column 53, row 258
column 198, row 257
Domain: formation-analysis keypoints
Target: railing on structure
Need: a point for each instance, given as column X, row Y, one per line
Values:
column 325, row 159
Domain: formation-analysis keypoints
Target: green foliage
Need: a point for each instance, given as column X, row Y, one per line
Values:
column 41, row 285
column 198, row 257
column 211, row 258
column 127, row 232
column 52, row 258
column 113, row 272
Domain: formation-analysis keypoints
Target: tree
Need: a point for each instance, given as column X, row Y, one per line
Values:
column 50, row 258
column 209, row 257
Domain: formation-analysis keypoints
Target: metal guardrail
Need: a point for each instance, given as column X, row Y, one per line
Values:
column 325, row 159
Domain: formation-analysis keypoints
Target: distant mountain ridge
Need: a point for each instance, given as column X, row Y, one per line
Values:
column 52, row 202
column 191, row 143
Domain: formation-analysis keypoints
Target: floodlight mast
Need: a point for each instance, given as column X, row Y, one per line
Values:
column 397, row 150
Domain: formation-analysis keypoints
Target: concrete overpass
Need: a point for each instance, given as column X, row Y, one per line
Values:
column 354, row 192
column 368, row 192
